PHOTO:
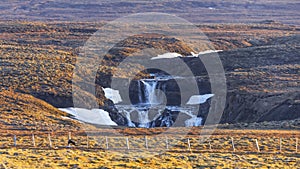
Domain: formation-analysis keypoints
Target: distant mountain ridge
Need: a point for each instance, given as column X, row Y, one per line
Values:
column 195, row 11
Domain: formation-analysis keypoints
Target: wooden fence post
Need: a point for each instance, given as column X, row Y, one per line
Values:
column 257, row 146
column 87, row 141
column 280, row 144
column 209, row 145
column 69, row 138
column 146, row 142
column 49, row 138
column 33, row 140
column 127, row 143
column 15, row 140
column 232, row 144
column 106, row 140
column 189, row 144
column 167, row 143
column 4, row 166
column 296, row 145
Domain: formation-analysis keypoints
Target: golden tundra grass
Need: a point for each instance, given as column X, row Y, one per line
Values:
column 96, row 155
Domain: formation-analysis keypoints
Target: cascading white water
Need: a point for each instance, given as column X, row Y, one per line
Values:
column 149, row 92
column 148, row 95
column 193, row 121
column 143, row 118
column 142, row 115
column 127, row 115
column 151, row 98
column 140, row 93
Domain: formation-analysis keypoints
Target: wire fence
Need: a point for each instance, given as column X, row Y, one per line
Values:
column 270, row 144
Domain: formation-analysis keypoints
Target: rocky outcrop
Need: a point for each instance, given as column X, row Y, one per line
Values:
column 249, row 107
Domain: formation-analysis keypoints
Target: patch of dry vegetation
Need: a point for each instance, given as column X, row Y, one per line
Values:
column 156, row 156
column 15, row 158
column 24, row 112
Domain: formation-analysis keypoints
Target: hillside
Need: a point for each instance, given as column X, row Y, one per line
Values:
column 260, row 60
column 24, row 112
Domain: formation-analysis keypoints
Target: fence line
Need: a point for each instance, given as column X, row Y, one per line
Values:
column 236, row 144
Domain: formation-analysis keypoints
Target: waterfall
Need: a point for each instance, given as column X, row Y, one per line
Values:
column 127, row 115
column 140, row 93
column 193, row 121
column 143, row 118
column 150, row 92
column 149, row 109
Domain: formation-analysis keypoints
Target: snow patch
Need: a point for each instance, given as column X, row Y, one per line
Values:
column 174, row 54
column 167, row 56
column 66, row 118
column 199, row 99
column 94, row 116
column 112, row 94
column 204, row 52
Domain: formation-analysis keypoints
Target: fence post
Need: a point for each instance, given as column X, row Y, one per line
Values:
column 4, row 166
column 15, row 140
column 209, row 145
column 87, row 141
column 232, row 144
column 280, row 144
column 106, row 140
column 146, row 142
column 296, row 145
column 49, row 138
column 189, row 144
column 69, row 138
column 167, row 143
column 127, row 143
column 33, row 140
column 257, row 146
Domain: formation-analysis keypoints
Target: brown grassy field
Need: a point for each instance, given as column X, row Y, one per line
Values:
column 214, row 152
column 39, row 58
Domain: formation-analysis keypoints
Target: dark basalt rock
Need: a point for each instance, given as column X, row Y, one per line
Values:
column 114, row 114
column 167, row 119
column 247, row 107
